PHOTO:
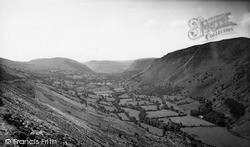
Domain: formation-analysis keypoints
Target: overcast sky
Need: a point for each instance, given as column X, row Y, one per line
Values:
column 106, row 30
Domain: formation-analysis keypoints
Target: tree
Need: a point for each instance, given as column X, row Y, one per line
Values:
column 236, row 109
column 165, row 129
column 164, row 102
column 206, row 107
column 142, row 114
column 133, row 119
column 194, row 112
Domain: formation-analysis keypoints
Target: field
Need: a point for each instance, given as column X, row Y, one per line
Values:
column 124, row 101
column 132, row 113
column 91, row 100
column 106, row 103
column 153, row 130
column 173, row 98
column 192, row 106
column 124, row 96
column 110, row 99
column 161, row 113
column 119, row 89
column 174, row 106
column 141, row 96
column 104, row 93
column 123, row 126
column 110, row 108
column 123, row 116
column 145, row 103
column 217, row 136
column 94, row 96
column 191, row 121
column 186, row 100
column 165, row 120
column 150, row 107
column 154, row 99
column 132, row 102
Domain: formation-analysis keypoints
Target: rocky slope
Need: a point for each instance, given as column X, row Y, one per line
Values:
column 32, row 110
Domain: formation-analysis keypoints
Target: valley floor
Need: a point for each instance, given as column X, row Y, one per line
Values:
column 73, row 112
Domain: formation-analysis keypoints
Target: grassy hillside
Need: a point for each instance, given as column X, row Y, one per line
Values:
column 141, row 64
column 214, row 71
column 60, row 64
column 47, row 65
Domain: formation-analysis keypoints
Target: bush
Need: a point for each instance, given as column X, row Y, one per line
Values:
column 236, row 109
column 1, row 102
column 209, row 114
column 194, row 112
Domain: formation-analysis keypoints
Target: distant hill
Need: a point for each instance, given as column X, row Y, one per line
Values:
column 141, row 64
column 119, row 66
column 108, row 66
column 60, row 64
column 9, row 69
column 47, row 64
column 215, row 71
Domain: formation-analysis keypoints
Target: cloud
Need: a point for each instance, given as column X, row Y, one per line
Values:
column 178, row 23
column 245, row 21
column 151, row 23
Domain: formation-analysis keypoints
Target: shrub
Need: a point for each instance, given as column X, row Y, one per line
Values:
column 1, row 102
column 236, row 109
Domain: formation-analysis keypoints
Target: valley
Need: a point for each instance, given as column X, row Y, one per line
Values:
column 181, row 99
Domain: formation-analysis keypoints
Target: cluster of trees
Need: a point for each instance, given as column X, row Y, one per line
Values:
column 117, row 94
column 101, row 108
column 236, row 109
column 209, row 114
column 165, row 106
column 150, row 121
column 158, row 123
column 166, row 89
column 136, row 107
column 90, row 104
column 158, row 90
column 116, row 102
column 216, row 118
column 83, row 101
column 131, row 118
